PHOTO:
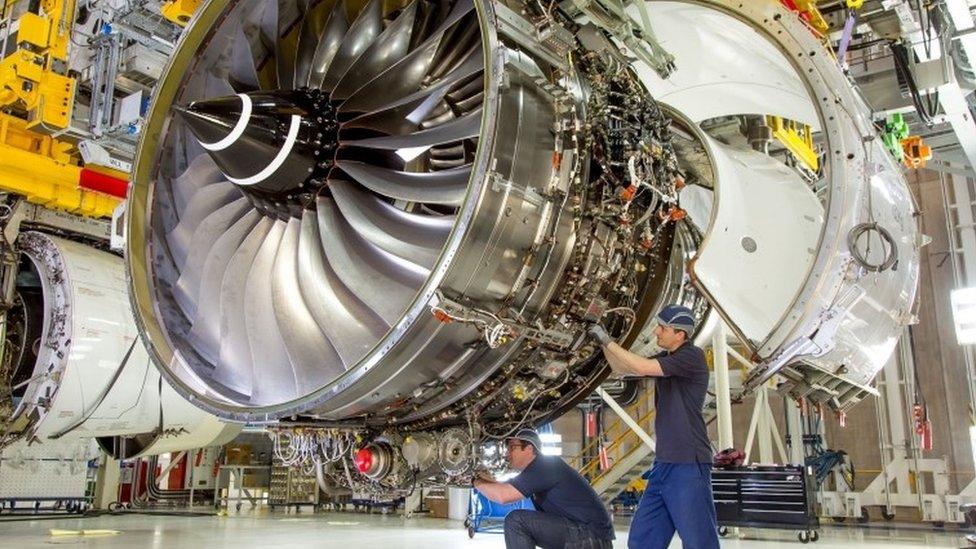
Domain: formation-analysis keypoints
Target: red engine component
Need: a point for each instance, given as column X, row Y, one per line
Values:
column 375, row 460
column 628, row 193
column 604, row 458
column 364, row 460
column 924, row 432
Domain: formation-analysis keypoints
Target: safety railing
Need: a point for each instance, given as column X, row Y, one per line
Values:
column 618, row 449
column 612, row 431
column 623, row 441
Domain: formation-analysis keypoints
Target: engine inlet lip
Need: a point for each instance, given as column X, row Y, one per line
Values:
column 163, row 349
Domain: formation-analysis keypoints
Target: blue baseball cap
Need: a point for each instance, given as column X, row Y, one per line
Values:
column 531, row 436
column 678, row 317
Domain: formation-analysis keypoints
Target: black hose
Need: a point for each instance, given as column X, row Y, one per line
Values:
column 903, row 70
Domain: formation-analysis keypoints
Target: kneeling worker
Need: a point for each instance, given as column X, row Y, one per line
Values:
column 568, row 512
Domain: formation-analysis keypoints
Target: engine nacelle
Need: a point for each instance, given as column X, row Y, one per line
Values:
column 78, row 367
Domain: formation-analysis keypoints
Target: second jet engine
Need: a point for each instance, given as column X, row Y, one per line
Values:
column 76, row 367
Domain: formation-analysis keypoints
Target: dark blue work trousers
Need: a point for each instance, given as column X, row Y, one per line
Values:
column 527, row 529
column 678, row 498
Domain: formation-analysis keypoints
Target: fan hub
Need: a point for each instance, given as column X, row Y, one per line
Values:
column 276, row 146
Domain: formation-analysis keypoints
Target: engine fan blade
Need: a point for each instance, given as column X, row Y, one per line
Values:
column 274, row 374
column 466, row 127
column 385, row 283
column 405, row 76
column 329, row 42
column 388, row 48
column 444, row 187
column 313, row 24
column 312, row 356
column 204, row 237
column 205, row 332
column 243, row 72
column 235, row 368
column 201, row 171
column 415, row 238
column 352, row 328
column 361, row 34
column 204, row 202
column 405, row 114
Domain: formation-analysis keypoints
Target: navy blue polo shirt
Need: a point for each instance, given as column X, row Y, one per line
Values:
column 679, row 395
column 557, row 488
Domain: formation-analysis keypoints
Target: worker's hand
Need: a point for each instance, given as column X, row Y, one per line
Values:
column 599, row 334
column 483, row 476
column 480, row 479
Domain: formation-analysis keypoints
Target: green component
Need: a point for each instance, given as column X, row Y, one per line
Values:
column 896, row 130
column 897, row 125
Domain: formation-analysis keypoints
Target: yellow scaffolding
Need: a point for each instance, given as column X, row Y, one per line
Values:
column 33, row 78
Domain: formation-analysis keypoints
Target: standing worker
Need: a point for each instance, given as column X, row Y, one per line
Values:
column 679, row 490
column 568, row 512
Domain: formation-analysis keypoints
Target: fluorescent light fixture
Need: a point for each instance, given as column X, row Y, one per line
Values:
column 548, row 450
column 964, row 314
column 552, row 444
column 410, row 153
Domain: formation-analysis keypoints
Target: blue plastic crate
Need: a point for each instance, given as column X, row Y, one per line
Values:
column 487, row 516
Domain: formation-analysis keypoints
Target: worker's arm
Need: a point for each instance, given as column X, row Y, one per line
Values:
column 625, row 362
column 499, row 492
column 621, row 360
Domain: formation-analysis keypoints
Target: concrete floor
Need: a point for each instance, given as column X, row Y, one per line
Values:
column 358, row 531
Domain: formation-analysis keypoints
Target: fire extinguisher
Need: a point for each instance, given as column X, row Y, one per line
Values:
column 591, row 423
column 923, row 426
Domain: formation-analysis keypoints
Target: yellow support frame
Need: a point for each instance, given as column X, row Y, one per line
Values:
column 815, row 18
column 60, row 17
column 45, row 171
column 34, row 30
column 623, row 440
column 180, row 11
column 797, row 138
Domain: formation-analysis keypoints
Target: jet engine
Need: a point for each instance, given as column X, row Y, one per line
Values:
column 385, row 226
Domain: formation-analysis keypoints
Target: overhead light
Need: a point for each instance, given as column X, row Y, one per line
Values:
column 551, row 444
column 964, row 314
column 552, row 450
